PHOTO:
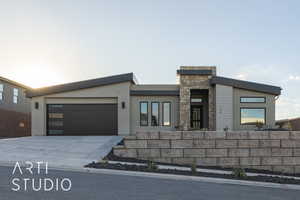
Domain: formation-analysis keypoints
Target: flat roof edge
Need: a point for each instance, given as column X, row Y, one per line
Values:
column 154, row 92
column 259, row 87
column 129, row 77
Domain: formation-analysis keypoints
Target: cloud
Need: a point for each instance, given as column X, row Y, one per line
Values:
column 294, row 78
column 241, row 76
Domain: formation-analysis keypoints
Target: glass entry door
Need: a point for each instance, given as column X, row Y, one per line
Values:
column 196, row 116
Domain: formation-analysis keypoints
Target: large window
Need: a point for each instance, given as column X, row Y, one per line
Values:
column 1, row 91
column 253, row 100
column 16, row 94
column 155, row 114
column 144, row 113
column 253, row 116
column 166, row 114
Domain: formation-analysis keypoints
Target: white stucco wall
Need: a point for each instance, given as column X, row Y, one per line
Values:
column 115, row 92
column 224, row 107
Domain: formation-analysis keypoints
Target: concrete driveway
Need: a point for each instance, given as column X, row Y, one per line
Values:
column 58, row 151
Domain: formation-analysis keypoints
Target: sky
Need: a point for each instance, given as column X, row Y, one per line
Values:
column 47, row 42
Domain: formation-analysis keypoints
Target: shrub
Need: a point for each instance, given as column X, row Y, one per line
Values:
column 194, row 168
column 152, row 166
column 239, row 173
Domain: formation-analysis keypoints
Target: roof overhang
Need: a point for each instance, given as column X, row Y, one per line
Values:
column 15, row 83
column 246, row 85
column 129, row 77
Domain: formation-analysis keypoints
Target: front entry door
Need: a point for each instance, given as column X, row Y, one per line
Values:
column 196, row 116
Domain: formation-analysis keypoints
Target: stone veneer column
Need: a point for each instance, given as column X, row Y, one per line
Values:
column 188, row 82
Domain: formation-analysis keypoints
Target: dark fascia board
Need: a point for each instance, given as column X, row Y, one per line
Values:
column 154, row 92
column 15, row 83
column 246, row 85
column 82, row 85
column 194, row 72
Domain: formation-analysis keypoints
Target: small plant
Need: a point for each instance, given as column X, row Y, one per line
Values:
column 239, row 173
column 226, row 129
column 289, row 126
column 259, row 125
column 152, row 166
column 194, row 168
column 104, row 161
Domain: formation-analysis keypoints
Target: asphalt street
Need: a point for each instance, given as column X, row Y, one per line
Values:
column 86, row 186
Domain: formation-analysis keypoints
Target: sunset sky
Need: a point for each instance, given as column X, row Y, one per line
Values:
column 49, row 42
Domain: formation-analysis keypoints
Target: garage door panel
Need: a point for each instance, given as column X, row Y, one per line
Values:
column 90, row 119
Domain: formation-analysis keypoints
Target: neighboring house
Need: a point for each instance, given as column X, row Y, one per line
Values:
column 14, row 109
column 118, row 105
column 289, row 124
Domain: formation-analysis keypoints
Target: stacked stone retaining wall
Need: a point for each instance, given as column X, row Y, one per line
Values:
column 274, row 151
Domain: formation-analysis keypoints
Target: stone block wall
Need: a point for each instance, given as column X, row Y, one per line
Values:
column 274, row 151
column 189, row 82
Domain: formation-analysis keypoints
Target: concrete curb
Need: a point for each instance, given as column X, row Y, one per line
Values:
column 169, row 176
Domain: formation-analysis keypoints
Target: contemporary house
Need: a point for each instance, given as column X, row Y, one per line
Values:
column 118, row 105
column 14, row 109
column 289, row 124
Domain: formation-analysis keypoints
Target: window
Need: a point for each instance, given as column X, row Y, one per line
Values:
column 253, row 116
column 155, row 114
column 166, row 114
column 144, row 113
column 1, row 91
column 55, row 118
column 253, row 100
column 196, row 100
column 16, row 94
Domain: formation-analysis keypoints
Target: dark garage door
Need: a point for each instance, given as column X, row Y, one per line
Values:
column 82, row 119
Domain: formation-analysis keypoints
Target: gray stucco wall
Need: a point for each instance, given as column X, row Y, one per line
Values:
column 102, row 94
column 23, row 104
column 135, row 113
column 269, row 105
column 224, row 107
column 135, row 107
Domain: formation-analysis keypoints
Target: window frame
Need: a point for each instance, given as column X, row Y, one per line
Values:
column 151, row 114
column 1, row 91
column 265, row 115
column 253, row 97
column 170, row 115
column 141, row 102
column 15, row 95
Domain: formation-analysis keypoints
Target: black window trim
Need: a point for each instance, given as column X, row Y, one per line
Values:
column 169, row 113
column 141, row 102
column 152, row 102
column 265, row 115
column 252, row 97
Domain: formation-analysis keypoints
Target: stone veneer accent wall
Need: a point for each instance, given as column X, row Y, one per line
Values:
column 188, row 82
column 274, row 151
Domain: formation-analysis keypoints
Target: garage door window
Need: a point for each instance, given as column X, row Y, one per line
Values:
column 55, row 119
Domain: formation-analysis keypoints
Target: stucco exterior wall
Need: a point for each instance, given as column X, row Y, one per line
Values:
column 135, row 112
column 224, row 107
column 155, row 87
column 269, row 105
column 120, row 92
